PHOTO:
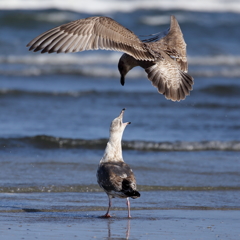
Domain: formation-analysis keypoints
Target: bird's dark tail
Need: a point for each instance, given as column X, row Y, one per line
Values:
column 127, row 189
column 132, row 193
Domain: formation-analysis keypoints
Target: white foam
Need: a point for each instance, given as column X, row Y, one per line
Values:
column 62, row 59
column 184, row 146
column 56, row 17
column 110, row 58
column 161, row 19
column 106, row 6
column 92, row 65
column 228, row 73
column 227, row 60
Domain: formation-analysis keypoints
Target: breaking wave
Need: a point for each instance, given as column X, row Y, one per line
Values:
column 43, row 141
column 82, row 65
column 17, row 92
column 112, row 58
column 55, row 59
column 102, row 6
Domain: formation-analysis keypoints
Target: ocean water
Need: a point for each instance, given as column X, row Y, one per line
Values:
column 56, row 109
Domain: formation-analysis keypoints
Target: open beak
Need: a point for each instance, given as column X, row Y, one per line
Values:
column 122, row 112
column 121, row 116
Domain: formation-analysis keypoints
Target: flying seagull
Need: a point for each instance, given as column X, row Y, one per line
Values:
column 113, row 174
column 163, row 56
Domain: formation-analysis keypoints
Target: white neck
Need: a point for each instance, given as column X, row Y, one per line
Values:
column 113, row 151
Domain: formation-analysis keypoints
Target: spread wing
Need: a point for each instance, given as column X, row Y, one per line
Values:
column 171, row 81
column 90, row 34
column 174, row 45
column 156, row 36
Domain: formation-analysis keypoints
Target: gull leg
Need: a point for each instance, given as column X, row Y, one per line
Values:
column 107, row 215
column 128, row 205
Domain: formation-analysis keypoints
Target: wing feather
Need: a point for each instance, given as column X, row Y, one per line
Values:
column 92, row 33
column 68, row 44
column 53, row 43
column 44, row 42
column 66, row 40
column 77, row 46
column 37, row 40
column 171, row 81
column 111, row 176
column 173, row 44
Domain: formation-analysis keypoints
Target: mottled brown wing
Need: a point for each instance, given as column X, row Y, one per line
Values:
column 173, row 44
column 166, row 76
column 116, row 177
column 90, row 34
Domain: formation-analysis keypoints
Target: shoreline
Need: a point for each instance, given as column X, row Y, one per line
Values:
column 145, row 224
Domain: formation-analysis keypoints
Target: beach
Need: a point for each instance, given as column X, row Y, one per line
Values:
column 71, row 222
column 188, row 200
column 55, row 113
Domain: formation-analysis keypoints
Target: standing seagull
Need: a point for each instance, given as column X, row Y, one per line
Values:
column 163, row 56
column 113, row 174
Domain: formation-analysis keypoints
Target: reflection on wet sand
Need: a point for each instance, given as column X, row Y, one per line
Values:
column 110, row 221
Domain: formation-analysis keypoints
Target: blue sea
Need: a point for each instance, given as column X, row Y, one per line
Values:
column 56, row 109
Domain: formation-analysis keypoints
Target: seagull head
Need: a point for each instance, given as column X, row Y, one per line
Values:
column 117, row 125
column 125, row 64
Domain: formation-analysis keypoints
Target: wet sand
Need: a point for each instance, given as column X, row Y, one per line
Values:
column 147, row 224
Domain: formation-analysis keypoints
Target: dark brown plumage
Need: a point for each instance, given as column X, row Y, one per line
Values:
column 117, row 178
column 163, row 59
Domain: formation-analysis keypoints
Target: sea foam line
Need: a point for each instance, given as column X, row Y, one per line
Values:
column 44, row 141
column 103, row 6
column 82, row 64
column 110, row 58
column 106, row 72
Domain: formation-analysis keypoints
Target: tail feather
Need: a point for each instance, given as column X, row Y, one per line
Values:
column 128, row 188
column 132, row 193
